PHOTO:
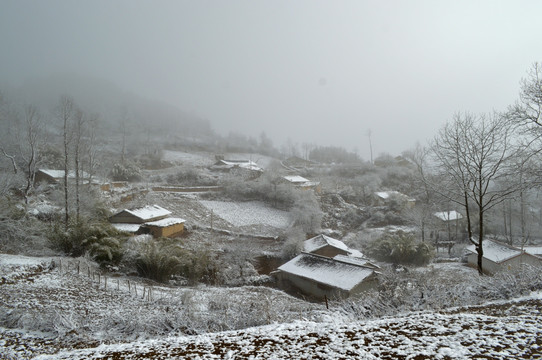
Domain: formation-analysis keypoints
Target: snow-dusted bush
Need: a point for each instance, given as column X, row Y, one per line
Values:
column 507, row 284
column 293, row 245
column 189, row 177
column 100, row 239
column 20, row 234
column 400, row 248
column 159, row 260
column 125, row 172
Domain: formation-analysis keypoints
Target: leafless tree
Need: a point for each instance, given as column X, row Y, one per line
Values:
column 65, row 112
column 29, row 146
column 526, row 115
column 422, row 213
column 91, row 148
column 527, row 110
column 79, row 128
column 472, row 153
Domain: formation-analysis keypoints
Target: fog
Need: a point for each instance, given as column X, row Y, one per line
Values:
column 321, row 72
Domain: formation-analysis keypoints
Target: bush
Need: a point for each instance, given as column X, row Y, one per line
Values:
column 400, row 248
column 189, row 177
column 125, row 172
column 101, row 241
column 163, row 258
column 159, row 261
column 106, row 250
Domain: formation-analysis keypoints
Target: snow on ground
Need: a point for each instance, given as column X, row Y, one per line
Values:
column 195, row 159
column 248, row 213
column 48, row 313
column 44, row 309
column 503, row 331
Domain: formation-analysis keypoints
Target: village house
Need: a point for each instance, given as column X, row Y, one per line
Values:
column 323, row 277
column 449, row 226
column 140, row 215
column 498, row 256
column 150, row 219
column 326, row 246
column 303, row 183
column 163, row 228
column 387, row 198
column 57, row 176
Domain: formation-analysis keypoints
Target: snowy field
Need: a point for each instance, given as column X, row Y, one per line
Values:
column 195, row 159
column 248, row 213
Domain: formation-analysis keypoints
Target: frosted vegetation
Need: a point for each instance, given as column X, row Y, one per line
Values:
column 56, row 304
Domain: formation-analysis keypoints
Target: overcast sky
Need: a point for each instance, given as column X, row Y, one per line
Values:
column 321, row 72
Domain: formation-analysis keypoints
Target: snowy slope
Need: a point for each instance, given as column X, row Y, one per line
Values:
column 503, row 331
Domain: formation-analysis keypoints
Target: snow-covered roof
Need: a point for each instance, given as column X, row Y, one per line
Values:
column 496, row 252
column 386, row 195
column 166, row 222
column 245, row 164
column 356, row 261
column 448, row 215
column 336, row 273
column 57, row 174
column 296, row 179
column 149, row 212
column 131, row 228
column 321, row 240
column 533, row 250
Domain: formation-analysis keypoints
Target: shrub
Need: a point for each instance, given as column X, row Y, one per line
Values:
column 159, row 260
column 125, row 172
column 101, row 240
column 189, row 177
column 106, row 250
column 400, row 248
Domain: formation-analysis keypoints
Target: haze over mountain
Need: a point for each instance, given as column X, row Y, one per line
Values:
column 312, row 71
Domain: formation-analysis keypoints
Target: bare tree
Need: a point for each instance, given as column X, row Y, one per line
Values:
column 526, row 114
column 472, row 153
column 422, row 213
column 29, row 146
column 369, row 133
column 65, row 112
column 527, row 110
column 79, row 124
column 91, row 149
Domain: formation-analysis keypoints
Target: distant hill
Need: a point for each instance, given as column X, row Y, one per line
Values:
column 112, row 103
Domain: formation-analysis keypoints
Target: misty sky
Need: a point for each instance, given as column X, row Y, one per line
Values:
column 321, row 72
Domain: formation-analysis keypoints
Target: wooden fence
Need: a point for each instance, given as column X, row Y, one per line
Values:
column 107, row 282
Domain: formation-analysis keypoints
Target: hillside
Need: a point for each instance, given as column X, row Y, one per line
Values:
column 61, row 312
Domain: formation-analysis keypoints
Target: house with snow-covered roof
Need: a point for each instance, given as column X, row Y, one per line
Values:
column 449, row 225
column 329, row 247
column 223, row 164
column 163, row 228
column 320, row 276
column 498, row 256
column 52, row 176
column 150, row 219
column 140, row 215
column 385, row 198
column 301, row 182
